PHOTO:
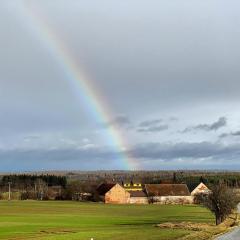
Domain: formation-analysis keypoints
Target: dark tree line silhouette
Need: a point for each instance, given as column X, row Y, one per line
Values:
column 30, row 180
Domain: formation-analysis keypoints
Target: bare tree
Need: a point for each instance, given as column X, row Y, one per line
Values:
column 221, row 201
column 40, row 189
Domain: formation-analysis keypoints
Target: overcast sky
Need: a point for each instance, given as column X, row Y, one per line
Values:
column 168, row 70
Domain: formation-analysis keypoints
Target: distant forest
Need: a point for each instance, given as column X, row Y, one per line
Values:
column 191, row 178
column 232, row 181
column 26, row 180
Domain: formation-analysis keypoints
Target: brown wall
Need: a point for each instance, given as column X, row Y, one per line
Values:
column 117, row 195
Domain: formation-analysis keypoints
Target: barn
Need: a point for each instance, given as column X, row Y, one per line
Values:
column 169, row 193
column 113, row 193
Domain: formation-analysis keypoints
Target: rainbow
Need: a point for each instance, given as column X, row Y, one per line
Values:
column 82, row 85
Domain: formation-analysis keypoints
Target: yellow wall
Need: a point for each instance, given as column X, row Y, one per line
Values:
column 117, row 195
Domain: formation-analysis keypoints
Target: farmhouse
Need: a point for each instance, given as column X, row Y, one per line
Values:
column 113, row 193
column 169, row 193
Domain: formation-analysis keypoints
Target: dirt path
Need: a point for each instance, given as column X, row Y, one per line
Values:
column 234, row 235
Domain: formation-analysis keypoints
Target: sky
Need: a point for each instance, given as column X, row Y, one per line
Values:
column 164, row 74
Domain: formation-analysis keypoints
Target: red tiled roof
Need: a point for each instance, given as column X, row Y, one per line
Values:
column 167, row 190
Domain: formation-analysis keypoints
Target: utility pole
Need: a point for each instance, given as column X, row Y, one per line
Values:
column 9, row 191
column 35, row 191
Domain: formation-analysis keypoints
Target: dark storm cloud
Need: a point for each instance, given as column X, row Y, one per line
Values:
column 57, row 158
column 171, row 151
column 61, row 154
column 213, row 153
column 221, row 122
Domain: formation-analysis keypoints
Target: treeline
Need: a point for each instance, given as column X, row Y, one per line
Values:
column 55, row 187
column 230, row 180
column 44, row 187
column 31, row 180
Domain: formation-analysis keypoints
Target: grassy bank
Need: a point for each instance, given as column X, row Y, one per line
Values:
column 73, row 220
column 211, row 231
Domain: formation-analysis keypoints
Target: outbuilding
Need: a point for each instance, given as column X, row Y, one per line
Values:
column 138, row 197
column 113, row 193
column 201, row 189
column 168, row 193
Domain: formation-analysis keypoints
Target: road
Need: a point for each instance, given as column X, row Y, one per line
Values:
column 233, row 235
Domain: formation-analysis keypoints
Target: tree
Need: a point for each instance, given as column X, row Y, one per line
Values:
column 174, row 177
column 41, row 189
column 221, row 201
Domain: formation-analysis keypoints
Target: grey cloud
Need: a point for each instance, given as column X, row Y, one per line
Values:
column 234, row 134
column 154, row 125
column 105, row 158
column 150, row 123
column 221, row 122
column 171, row 59
column 223, row 135
column 69, row 158
column 119, row 121
column 154, row 128
column 145, row 62
column 173, row 119
column 171, row 151
column 31, row 137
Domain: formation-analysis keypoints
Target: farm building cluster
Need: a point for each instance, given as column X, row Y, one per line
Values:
column 50, row 187
column 148, row 193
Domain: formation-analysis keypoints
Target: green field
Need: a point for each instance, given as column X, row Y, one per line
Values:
column 73, row 220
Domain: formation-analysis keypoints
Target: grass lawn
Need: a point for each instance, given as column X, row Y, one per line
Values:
column 74, row 220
